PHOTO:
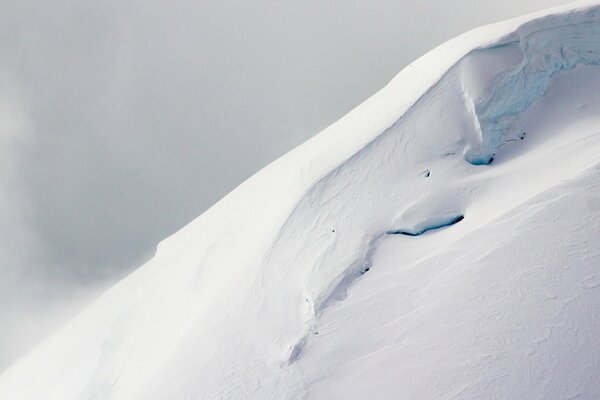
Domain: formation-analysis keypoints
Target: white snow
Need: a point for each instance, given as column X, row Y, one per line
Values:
column 300, row 283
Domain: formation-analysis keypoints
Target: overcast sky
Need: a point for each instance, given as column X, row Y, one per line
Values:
column 120, row 121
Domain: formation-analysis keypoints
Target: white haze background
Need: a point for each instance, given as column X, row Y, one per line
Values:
column 120, row 121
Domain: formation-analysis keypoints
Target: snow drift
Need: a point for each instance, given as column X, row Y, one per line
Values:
column 484, row 152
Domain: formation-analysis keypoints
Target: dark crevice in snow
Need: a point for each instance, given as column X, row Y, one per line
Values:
column 434, row 224
column 483, row 161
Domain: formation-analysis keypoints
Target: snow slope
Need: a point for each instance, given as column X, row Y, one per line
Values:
column 438, row 242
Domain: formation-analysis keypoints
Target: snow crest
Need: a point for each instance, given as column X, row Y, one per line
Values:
column 238, row 303
column 547, row 46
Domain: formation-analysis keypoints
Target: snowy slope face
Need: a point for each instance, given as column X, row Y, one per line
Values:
column 528, row 61
column 388, row 257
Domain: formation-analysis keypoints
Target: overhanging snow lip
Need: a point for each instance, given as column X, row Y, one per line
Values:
column 549, row 45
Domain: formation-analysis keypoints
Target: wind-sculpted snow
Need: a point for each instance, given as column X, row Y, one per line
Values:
column 432, row 223
column 525, row 62
column 290, row 288
column 547, row 47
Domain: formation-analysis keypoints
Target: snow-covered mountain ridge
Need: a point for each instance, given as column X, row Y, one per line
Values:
column 439, row 241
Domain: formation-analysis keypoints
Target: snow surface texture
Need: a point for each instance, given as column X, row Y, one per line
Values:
column 300, row 284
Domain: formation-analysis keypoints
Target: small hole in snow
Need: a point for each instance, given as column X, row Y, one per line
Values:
column 427, row 173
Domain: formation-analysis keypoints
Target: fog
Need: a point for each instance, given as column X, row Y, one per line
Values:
column 120, row 121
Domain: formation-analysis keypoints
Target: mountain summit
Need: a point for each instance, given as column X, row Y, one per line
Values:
column 438, row 242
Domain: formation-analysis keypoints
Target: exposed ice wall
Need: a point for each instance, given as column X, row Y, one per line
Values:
column 548, row 46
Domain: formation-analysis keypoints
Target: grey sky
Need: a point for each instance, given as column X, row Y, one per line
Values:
column 120, row 121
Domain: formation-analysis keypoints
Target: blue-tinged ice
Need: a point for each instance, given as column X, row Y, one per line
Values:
column 546, row 52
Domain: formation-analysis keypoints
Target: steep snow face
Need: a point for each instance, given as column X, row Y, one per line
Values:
column 380, row 259
column 545, row 48
column 502, row 304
